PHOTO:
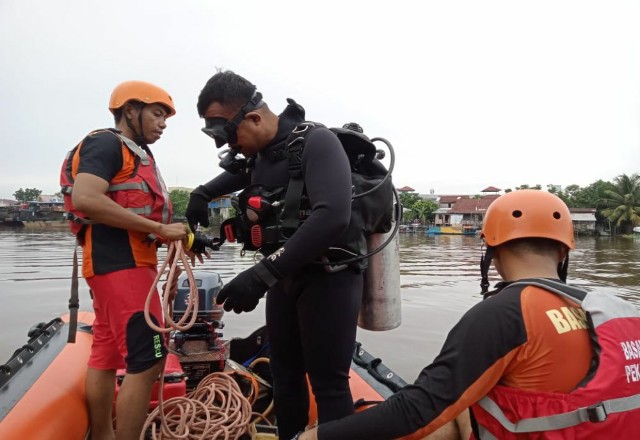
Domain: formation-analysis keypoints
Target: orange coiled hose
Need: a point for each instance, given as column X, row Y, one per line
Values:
column 216, row 409
column 175, row 254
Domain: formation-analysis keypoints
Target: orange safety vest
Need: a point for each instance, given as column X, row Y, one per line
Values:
column 143, row 191
column 138, row 187
column 607, row 405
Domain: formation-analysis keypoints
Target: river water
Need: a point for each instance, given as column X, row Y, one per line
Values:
column 439, row 278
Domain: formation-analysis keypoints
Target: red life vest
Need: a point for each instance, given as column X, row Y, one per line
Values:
column 605, row 406
column 143, row 192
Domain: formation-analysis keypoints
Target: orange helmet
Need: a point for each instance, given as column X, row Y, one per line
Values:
column 144, row 92
column 528, row 213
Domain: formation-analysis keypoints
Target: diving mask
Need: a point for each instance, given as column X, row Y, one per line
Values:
column 224, row 131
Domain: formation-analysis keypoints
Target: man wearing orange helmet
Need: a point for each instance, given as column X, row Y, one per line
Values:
column 536, row 359
column 117, row 200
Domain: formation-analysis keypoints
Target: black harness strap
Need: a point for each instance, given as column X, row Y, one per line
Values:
column 74, row 299
column 293, row 197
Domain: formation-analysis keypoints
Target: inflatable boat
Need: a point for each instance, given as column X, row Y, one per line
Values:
column 42, row 385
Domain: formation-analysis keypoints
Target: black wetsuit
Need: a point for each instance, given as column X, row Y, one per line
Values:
column 311, row 314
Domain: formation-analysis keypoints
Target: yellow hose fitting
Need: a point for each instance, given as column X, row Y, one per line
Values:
column 190, row 238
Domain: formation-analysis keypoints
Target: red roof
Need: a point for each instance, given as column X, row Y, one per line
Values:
column 491, row 189
column 450, row 199
column 473, row 206
column 406, row 189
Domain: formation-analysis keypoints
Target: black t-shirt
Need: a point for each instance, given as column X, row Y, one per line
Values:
column 101, row 155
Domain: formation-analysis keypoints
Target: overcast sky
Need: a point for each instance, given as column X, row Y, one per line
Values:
column 470, row 93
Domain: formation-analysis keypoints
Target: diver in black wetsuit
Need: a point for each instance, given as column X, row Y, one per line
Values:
column 311, row 313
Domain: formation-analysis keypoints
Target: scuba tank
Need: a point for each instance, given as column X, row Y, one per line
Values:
column 381, row 299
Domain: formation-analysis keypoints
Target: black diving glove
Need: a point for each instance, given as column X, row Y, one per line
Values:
column 243, row 292
column 198, row 208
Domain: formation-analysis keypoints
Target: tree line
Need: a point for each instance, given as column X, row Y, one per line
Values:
column 616, row 201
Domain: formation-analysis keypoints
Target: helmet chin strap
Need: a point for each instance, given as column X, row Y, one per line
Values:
column 563, row 268
column 139, row 138
column 485, row 264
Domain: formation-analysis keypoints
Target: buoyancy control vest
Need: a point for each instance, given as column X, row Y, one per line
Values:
column 605, row 405
column 269, row 216
column 142, row 191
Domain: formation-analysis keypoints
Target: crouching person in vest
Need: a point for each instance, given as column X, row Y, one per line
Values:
column 537, row 359
column 118, row 202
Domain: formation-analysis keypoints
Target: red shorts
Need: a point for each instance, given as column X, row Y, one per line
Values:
column 121, row 336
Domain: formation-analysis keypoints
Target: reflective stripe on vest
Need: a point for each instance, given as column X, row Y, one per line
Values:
column 135, row 148
column 133, row 185
column 144, row 160
column 593, row 413
column 142, row 186
column 166, row 214
column 146, row 210
column 484, row 434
